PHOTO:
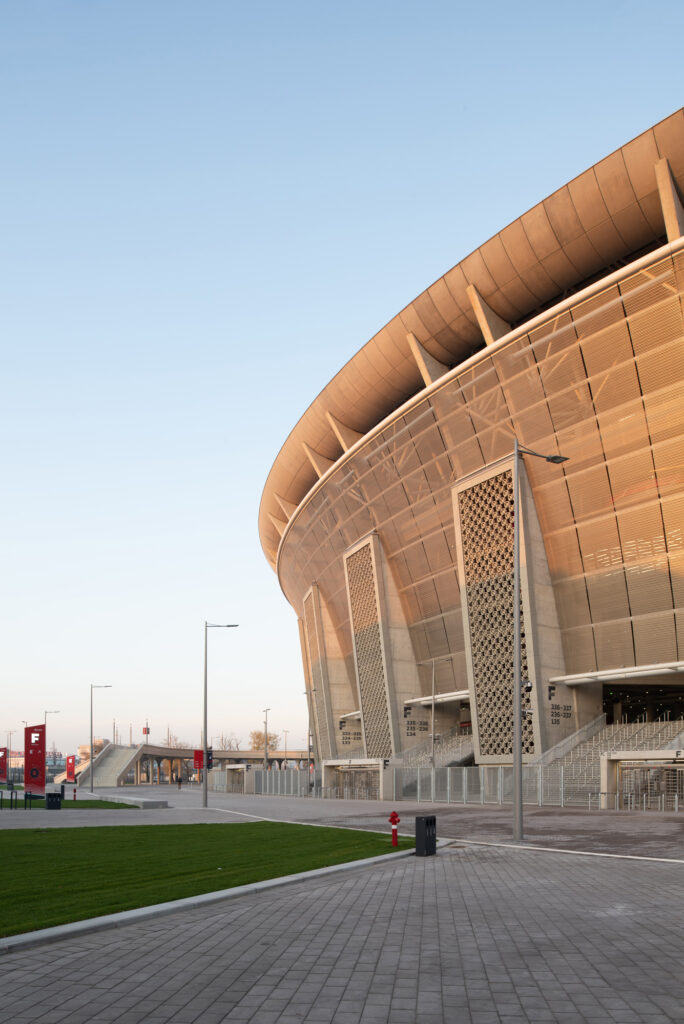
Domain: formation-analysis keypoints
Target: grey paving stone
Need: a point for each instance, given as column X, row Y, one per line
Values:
column 479, row 936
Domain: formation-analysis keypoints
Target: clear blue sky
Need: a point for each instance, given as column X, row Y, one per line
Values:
column 207, row 207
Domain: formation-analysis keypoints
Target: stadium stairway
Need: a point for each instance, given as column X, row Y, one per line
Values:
column 582, row 765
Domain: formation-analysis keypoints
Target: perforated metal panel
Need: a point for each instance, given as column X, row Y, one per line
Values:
column 486, row 519
column 365, row 619
column 318, row 678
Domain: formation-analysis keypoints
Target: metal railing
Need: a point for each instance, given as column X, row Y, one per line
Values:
column 486, row 785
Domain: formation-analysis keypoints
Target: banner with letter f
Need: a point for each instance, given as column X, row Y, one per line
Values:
column 34, row 759
column 4, row 761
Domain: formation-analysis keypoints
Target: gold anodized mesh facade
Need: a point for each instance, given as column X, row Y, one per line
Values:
column 600, row 382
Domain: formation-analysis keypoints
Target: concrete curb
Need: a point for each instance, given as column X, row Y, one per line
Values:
column 558, row 849
column 142, row 802
column 13, row 943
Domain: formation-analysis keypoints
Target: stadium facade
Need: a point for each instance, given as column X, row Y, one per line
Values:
column 388, row 513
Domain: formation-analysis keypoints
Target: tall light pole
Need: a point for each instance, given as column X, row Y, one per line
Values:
column 94, row 686
column 518, row 451
column 285, row 732
column 266, row 711
column 207, row 627
column 46, row 713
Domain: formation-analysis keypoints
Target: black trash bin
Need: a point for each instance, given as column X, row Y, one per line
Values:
column 61, row 790
column 426, row 836
column 53, row 802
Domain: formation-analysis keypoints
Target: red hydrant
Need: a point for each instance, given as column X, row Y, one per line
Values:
column 394, row 820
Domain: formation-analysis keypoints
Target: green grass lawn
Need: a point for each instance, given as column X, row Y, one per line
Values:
column 69, row 805
column 55, row 875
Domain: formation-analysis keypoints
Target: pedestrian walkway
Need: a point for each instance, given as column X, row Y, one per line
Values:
column 474, row 935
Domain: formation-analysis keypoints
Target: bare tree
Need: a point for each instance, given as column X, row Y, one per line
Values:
column 256, row 740
column 230, row 742
column 176, row 743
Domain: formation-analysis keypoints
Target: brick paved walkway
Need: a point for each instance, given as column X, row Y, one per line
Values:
column 476, row 935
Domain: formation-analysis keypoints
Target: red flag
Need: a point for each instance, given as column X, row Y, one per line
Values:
column 71, row 768
column 34, row 759
column 3, row 764
column 198, row 760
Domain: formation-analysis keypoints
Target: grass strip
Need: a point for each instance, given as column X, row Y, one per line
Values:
column 71, row 805
column 56, row 876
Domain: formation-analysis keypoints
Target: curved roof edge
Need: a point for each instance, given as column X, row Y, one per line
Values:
column 623, row 205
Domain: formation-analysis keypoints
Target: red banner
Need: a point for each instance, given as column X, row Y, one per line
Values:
column 199, row 760
column 71, row 768
column 3, row 764
column 34, row 759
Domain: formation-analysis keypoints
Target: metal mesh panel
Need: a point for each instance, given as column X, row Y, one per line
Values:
column 486, row 514
column 320, row 716
column 655, row 638
column 370, row 667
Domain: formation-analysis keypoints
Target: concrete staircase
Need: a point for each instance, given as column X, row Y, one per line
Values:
column 451, row 748
column 110, row 767
column 582, row 765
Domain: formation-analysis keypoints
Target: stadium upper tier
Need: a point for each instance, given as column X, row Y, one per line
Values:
column 624, row 206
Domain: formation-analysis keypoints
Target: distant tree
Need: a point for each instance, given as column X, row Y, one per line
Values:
column 176, row 743
column 256, row 740
column 230, row 742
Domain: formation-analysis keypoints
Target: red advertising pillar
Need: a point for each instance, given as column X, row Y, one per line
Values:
column 4, row 761
column 71, row 768
column 34, row 760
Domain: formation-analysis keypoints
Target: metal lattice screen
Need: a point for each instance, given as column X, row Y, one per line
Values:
column 363, row 601
column 486, row 515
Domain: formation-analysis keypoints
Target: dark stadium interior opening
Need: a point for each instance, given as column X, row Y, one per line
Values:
column 623, row 703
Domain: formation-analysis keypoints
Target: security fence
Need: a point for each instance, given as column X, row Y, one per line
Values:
column 659, row 788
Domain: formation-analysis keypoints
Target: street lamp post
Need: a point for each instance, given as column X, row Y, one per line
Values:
column 207, row 627
column 93, row 686
column 518, row 451
column 266, row 711
column 49, row 713
column 285, row 732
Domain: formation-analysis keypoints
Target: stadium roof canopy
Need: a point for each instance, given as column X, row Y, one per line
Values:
column 599, row 221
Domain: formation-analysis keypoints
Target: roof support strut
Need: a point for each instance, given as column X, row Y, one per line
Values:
column 344, row 434
column 673, row 211
column 430, row 368
column 490, row 323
